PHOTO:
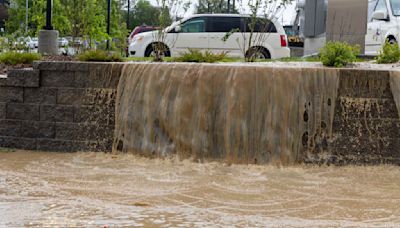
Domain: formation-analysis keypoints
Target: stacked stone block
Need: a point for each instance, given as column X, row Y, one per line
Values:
column 366, row 127
column 59, row 107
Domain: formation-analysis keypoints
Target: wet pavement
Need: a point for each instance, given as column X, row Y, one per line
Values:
column 96, row 189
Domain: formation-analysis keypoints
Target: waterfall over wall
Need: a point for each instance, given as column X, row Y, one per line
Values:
column 235, row 113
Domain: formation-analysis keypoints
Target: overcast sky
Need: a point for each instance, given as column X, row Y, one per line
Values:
column 286, row 16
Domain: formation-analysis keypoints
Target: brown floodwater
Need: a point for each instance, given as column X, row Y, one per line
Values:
column 97, row 189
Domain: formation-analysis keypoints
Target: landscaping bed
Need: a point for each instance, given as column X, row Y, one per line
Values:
column 6, row 67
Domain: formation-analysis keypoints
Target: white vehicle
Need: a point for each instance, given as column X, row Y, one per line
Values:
column 35, row 42
column 207, row 32
column 62, row 42
column 25, row 41
column 383, row 25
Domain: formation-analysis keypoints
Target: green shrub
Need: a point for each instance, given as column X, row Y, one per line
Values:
column 390, row 53
column 100, row 56
column 197, row 56
column 338, row 54
column 14, row 58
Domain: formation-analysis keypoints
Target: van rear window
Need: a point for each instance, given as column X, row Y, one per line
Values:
column 261, row 25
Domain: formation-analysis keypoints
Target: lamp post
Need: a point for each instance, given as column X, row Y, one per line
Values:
column 129, row 12
column 48, row 15
column 108, row 22
column 26, row 17
column 48, row 38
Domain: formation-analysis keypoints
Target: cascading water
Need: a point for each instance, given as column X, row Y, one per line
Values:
column 235, row 113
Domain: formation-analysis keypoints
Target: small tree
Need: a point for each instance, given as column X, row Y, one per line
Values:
column 159, row 50
column 167, row 7
column 263, row 13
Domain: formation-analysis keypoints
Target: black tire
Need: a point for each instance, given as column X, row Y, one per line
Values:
column 392, row 40
column 258, row 53
column 150, row 49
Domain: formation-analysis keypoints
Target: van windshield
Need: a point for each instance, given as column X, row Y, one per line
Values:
column 395, row 7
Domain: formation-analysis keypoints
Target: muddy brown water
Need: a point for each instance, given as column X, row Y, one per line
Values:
column 237, row 113
column 96, row 189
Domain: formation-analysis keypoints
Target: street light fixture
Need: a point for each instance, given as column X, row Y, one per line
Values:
column 129, row 12
column 108, row 22
column 26, row 17
column 48, row 26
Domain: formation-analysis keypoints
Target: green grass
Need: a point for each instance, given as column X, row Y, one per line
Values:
column 227, row 59
column 198, row 56
column 312, row 59
column 100, row 56
column 6, row 150
column 291, row 59
column 233, row 60
column 192, row 55
column 14, row 58
column 138, row 59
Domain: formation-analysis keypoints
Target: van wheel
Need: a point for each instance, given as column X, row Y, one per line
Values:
column 391, row 40
column 258, row 53
column 150, row 51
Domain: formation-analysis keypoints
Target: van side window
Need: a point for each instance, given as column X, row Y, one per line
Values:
column 262, row 25
column 223, row 24
column 381, row 5
column 395, row 7
column 194, row 25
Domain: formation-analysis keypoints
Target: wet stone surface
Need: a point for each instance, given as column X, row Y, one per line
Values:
column 240, row 113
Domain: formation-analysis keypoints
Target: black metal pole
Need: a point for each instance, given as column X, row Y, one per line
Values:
column 233, row 6
column 48, row 16
column 229, row 6
column 129, row 12
column 108, row 22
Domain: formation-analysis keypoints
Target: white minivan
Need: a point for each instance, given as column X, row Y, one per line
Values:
column 207, row 32
column 383, row 25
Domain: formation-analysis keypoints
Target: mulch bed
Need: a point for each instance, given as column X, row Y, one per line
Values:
column 4, row 68
column 62, row 58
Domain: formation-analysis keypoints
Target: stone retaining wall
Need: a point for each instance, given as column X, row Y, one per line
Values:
column 71, row 107
column 59, row 107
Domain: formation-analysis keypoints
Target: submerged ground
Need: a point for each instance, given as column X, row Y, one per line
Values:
column 97, row 189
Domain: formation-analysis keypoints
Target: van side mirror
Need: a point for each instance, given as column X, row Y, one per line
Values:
column 178, row 28
column 380, row 15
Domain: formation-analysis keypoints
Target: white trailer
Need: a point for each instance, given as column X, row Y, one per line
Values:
column 368, row 23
